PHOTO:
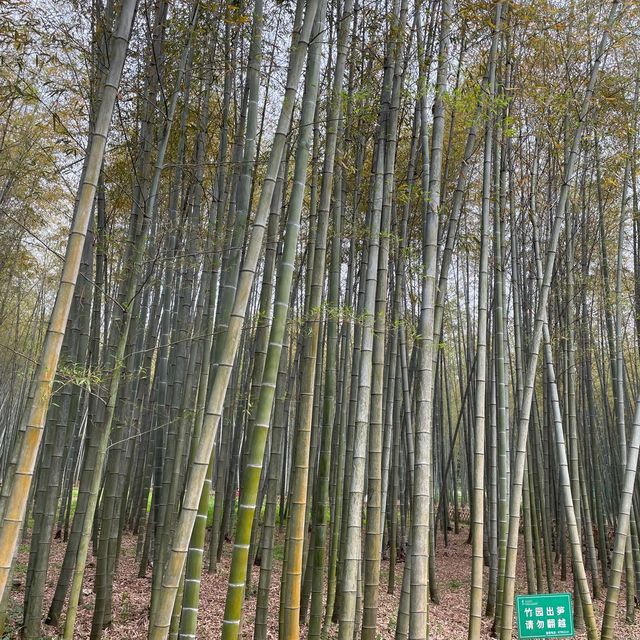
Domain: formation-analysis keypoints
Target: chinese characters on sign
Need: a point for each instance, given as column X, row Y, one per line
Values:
column 545, row 616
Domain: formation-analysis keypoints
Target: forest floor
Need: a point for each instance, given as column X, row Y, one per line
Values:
column 131, row 595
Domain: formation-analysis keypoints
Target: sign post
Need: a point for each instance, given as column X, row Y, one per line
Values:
column 545, row 616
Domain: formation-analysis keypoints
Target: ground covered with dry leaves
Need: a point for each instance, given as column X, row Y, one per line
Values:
column 131, row 597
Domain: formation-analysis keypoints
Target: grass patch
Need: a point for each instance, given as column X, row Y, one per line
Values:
column 454, row 584
column 278, row 552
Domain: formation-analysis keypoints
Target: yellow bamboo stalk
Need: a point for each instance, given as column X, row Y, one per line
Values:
column 36, row 410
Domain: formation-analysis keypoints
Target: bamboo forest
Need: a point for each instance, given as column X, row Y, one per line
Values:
column 319, row 319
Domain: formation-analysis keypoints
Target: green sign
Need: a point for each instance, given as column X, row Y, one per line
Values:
column 545, row 616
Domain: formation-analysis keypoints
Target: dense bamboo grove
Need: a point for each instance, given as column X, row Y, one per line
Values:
column 315, row 286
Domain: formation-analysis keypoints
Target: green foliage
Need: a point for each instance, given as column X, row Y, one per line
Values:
column 125, row 606
column 278, row 552
column 78, row 374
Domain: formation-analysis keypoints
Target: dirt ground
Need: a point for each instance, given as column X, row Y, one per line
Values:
column 448, row 619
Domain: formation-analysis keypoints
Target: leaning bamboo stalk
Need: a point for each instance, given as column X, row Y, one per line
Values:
column 159, row 625
column 258, row 438
column 16, row 506
column 567, row 493
column 529, row 380
column 120, row 348
column 566, row 482
column 622, row 531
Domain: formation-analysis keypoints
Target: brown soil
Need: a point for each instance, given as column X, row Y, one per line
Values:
column 448, row 619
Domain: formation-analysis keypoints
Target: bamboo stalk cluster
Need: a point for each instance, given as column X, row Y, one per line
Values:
column 359, row 285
